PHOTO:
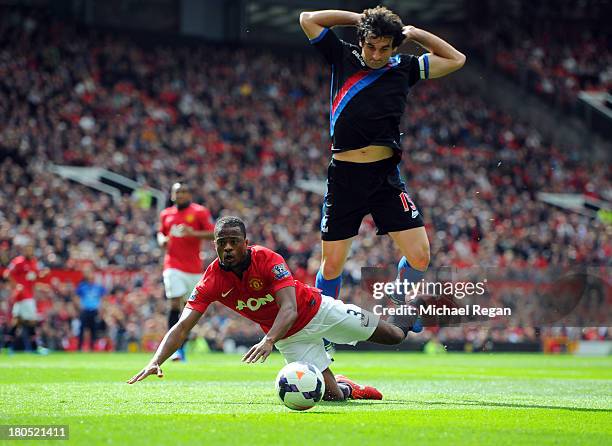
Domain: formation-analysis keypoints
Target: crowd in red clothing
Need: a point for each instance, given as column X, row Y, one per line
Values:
column 246, row 127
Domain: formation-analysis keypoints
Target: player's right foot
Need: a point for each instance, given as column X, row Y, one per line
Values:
column 359, row 392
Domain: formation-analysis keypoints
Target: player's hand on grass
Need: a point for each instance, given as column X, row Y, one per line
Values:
column 260, row 350
column 151, row 369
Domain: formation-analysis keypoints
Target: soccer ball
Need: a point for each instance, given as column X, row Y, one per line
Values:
column 300, row 386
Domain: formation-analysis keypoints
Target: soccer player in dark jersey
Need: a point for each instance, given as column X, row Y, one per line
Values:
column 370, row 83
column 255, row 282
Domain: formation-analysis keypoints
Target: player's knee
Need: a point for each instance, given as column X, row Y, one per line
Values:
column 331, row 268
column 419, row 257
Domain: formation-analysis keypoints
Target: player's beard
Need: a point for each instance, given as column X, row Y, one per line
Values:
column 241, row 267
column 180, row 207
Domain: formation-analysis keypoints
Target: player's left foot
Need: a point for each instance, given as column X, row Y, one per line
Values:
column 359, row 392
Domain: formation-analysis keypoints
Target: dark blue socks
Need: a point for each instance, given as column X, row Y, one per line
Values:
column 406, row 272
column 330, row 287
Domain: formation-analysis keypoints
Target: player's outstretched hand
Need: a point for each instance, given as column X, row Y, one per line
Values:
column 151, row 369
column 260, row 350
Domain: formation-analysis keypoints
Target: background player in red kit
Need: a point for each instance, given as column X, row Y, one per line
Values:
column 23, row 273
column 255, row 282
column 182, row 227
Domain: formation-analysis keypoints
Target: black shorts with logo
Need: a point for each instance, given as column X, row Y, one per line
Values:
column 357, row 189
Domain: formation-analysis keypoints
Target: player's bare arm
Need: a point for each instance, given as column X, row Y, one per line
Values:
column 8, row 276
column 287, row 314
column 443, row 58
column 313, row 22
column 172, row 341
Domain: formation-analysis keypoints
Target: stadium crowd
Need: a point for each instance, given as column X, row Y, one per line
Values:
column 555, row 49
column 246, row 126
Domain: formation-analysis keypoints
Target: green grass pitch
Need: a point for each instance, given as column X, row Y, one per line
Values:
column 455, row 399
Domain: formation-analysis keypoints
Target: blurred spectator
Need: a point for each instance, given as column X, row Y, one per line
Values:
column 90, row 294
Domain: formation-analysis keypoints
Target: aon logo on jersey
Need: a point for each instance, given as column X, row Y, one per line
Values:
column 253, row 303
column 177, row 231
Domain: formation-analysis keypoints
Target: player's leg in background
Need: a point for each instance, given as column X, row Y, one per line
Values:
column 81, row 330
column 176, row 304
column 87, row 323
column 22, row 332
column 414, row 246
column 333, row 258
column 94, row 321
column 176, row 289
column 174, row 312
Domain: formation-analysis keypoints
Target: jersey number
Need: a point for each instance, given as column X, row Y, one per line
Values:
column 355, row 313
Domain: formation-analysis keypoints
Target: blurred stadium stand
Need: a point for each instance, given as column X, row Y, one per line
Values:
column 131, row 87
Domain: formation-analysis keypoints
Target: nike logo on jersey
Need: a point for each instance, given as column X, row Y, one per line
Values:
column 227, row 292
column 415, row 214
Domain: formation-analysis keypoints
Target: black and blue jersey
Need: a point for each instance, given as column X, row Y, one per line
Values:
column 366, row 104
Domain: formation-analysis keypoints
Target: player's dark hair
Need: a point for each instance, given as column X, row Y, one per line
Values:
column 232, row 222
column 183, row 183
column 381, row 22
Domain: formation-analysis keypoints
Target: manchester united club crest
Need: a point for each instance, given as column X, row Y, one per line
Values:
column 190, row 218
column 256, row 284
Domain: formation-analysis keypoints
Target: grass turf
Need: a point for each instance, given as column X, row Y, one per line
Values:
column 215, row 399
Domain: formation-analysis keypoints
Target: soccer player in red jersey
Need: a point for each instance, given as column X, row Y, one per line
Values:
column 182, row 227
column 23, row 273
column 255, row 282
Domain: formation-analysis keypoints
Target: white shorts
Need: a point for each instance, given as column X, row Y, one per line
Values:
column 178, row 283
column 25, row 310
column 335, row 321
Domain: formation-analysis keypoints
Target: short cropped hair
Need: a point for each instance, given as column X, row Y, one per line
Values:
column 183, row 184
column 381, row 22
column 232, row 222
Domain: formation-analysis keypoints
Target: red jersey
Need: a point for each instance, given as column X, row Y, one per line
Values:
column 183, row 253
column 24, row 272
column 253, row 295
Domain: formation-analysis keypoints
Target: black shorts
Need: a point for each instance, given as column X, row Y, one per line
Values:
column 357, row 189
